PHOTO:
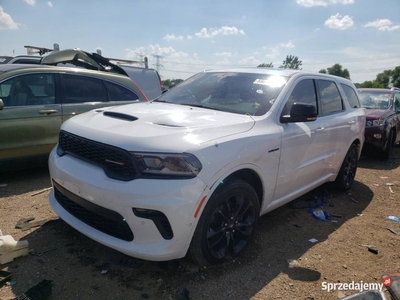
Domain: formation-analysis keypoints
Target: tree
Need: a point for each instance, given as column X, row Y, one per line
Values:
column 371, row 84
column 384, row 78
column 396, row 77
column 264, row 65
column 291, row 62
column 337, row 70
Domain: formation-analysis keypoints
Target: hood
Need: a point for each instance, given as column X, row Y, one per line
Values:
column 377, row 113
column 159, row 127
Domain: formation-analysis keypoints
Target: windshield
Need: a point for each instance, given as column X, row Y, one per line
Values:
column 241, row 93
column 375, row 100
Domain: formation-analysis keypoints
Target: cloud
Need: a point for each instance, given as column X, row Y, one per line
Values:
column 224, row 30
column 226, row 54
column 250, row 61
column 224, row 62
column 382, row 25
column 311, row 3
column 317, row 29
column 289, row 45
column 6, row 22
column 274, row 53
column 339, row 22
column 50, row 4
column 173, row 37
column 30, row 2
column 189, row 37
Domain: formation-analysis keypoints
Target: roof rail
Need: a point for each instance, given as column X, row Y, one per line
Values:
column 395, row 89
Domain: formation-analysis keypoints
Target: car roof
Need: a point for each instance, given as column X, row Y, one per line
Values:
column 375, row 90
column 14, row 67
column 278, row 72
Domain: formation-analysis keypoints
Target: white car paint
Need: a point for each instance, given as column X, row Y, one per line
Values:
column 290, row 159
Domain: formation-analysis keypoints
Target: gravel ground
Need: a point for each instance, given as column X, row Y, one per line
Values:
column 281, row 263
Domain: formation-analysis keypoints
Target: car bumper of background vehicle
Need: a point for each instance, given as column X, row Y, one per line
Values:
column 108, row 204
column 375, row 136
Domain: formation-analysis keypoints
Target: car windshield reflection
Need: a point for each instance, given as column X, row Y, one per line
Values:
column 235, row 92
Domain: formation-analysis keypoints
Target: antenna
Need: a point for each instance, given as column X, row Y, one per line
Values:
column 158, row 65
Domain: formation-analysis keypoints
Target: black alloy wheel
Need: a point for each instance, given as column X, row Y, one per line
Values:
column 348, row 170
column 227, row 224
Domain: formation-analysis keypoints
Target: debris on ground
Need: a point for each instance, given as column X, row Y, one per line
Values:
column 392, row 218
column 393, row 285
column 41, row 291
column 393, row 231
column 366, row 295
column 26, row 224
column 373, row 250
column 41, row 191
column 312, row 201
column 4, row 277
column 11, row 249
column 41, row 252
column 2, row 185
column 313, row 240
column 320, row 214
column 182, row 293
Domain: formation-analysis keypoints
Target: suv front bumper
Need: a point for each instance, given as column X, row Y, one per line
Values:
column 112, row 212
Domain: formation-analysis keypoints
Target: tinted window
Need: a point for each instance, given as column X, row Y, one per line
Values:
column 79, row 89
column 241, row 93
column 351, row 96
column 119, row 93
column 331, row 102
column 147, row 80
column 397, row 102
column 304, row 92
column 34, row 89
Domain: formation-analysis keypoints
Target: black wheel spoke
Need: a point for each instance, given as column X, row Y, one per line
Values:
column 216, row 240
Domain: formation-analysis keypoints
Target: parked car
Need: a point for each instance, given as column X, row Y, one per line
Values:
column 20, row 59
column 383, row 118
column 192, row 171
column 35, row 100
column 147, row 79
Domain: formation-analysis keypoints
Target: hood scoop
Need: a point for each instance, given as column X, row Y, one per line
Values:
column 120, row 116
column 168, row 125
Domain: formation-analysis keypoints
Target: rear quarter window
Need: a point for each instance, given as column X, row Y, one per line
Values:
column 351, row 96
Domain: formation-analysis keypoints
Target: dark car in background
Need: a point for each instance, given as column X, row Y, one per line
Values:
column 382, row 109
column 35, row 100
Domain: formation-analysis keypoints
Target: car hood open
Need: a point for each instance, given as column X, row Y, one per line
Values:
column 79, row 58
column 157, row 127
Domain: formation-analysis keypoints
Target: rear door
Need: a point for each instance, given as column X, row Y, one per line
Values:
column 31, row 118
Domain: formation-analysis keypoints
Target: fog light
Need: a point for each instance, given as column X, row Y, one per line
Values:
column 378, row 136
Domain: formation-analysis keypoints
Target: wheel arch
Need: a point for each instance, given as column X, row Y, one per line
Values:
column 252, row 178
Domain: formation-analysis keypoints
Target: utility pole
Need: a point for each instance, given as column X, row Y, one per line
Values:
column 158, row 65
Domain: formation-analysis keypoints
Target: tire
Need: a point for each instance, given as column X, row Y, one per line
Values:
column 386, row 152
column 226, row 225
column 347, row 173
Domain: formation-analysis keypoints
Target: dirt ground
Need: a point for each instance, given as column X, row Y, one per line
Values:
column 83, row 269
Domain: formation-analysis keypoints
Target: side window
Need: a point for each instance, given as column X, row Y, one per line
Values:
column 119, row 93
column 304, row 92
column 331, row 102
column 397, row 102
column 351, row 96
column 26, row 90
column 80, row 89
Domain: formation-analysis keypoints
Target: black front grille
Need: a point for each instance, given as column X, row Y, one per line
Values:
column 98, row 217
column 117, row 163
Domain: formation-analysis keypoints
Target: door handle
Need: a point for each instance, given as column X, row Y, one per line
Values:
column 320, row 129
column 48, row 111
column 351, row 122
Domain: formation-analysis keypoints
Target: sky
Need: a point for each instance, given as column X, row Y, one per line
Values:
column 189, row 36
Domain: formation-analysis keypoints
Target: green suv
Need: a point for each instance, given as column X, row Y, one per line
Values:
column 35, row 100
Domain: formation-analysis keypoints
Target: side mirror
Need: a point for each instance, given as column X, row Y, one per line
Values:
column 1, row 104
column 300, row 112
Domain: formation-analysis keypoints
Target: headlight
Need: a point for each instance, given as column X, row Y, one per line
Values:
column 378, row 122
column 166, row 165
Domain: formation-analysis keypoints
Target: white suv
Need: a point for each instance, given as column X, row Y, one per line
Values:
column 192, row 171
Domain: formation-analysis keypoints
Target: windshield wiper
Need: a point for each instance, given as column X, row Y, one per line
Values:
column 202, row 106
